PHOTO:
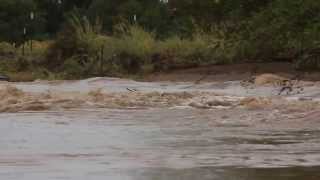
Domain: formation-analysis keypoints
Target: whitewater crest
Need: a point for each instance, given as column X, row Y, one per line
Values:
column 122, row 93
column 16, row 100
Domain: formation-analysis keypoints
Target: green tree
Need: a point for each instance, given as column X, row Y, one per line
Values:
column 15, row 16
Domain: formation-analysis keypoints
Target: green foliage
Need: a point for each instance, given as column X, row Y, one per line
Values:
column 102, row 37
column 201, row 49
column 6, row 49
column 137, row 42
column 15, row 16
column 132, row 49
column 292, row 26
column 308, row 60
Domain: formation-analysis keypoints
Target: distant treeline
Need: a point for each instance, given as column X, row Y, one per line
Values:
column 166, row 18
column 77, row 37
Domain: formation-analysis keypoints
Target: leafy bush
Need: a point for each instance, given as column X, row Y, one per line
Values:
column 282, row 30
column 202, row 48
column 78, row 39
column 132, row 49
column 137, row 42
column 6, row 49
column 308, row 60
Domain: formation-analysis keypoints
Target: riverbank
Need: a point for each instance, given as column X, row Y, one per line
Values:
column 208, row 73
column 231, row 72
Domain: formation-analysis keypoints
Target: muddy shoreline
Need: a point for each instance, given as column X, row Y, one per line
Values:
column 231, row 72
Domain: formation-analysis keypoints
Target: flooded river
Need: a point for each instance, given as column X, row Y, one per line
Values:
column 78, row 135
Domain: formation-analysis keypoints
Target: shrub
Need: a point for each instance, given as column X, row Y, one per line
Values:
column 132, row 50
column 7, row 49
column 308, row 60
column 135, row 47
column 79, row 39
column 137, row 42
column 202, row 48
column 282, row 30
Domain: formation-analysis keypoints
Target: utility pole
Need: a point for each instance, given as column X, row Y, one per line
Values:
column 101, row 60
column 31, row 29
column 24, row 39
column 135, row 18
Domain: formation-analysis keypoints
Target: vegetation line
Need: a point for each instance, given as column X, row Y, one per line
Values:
column 84, row 38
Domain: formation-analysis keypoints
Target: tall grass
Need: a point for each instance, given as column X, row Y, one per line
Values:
column 137, row 42
column 6, row 49
column 132, row 49
column 82, row 50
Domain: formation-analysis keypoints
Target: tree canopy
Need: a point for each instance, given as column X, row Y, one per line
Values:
column 174, row 17
column 280, row 19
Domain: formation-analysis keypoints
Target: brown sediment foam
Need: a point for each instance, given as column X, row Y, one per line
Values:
column 256, row 102
column 9, row 91
column 279, row 103
column 15, row 100
column 272, row 79
column 130, row 99
column 267, row 79
column 301, row 106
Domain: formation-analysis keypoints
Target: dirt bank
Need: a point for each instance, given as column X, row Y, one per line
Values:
column 231, row 72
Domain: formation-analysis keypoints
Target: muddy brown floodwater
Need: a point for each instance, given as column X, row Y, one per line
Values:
column 78, row 130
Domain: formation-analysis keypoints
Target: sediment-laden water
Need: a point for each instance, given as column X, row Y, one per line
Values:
column 106, row 128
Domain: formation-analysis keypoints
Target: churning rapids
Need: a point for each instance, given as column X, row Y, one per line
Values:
column 109, row 128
